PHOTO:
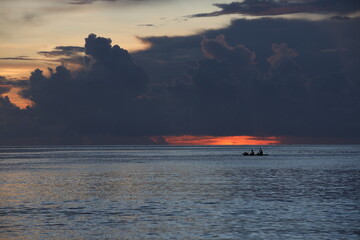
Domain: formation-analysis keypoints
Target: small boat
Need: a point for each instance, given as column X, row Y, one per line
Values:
column 257, row 154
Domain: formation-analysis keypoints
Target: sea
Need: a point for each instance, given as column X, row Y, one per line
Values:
column 307, row 192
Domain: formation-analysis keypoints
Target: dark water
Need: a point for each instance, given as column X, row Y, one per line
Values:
column 152, row 192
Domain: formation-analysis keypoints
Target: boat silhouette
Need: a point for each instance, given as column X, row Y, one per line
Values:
column 253, row 154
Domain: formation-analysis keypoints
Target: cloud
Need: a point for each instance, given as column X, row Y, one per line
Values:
column 88, row 1
column 223, row 87
column 235, row 97
column 11, row 120
column 99, row 100
column 80, row 2
column 274, row 8
column 263, row 82
column 7, row 84
column 20, row 58
column 146, row 25
column 342, row 18
column 281, row 54
column 6, row 105
column 66, row 54
column 63, row 51
column 220, row 50
column 255, row 78
column 37, row 13
column 4, row 89
column 3, row 80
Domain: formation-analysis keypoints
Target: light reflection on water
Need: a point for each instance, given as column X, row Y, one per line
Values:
column 141, row 192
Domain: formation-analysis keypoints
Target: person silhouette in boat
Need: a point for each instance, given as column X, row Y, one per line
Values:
column 260, row 152
column 252, row 153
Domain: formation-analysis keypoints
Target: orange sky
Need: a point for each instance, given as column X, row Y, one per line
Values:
column 16, row 99
column 31, row 26
column 223, row 140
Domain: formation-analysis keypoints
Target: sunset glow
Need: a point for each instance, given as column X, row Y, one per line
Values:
column 188, row 72
column 16, row 99
column 223, row 140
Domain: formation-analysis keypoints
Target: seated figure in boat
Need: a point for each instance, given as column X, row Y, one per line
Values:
column 260, row 153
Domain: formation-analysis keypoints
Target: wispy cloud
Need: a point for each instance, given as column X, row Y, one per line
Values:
column 21, row 58
column 146, row 25
column 273, row 7
column 63, row 51
column 80, row 2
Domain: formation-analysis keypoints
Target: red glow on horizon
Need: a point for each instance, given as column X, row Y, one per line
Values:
column 224, row 140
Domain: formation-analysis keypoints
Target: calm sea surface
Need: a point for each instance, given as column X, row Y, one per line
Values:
column 190, row 192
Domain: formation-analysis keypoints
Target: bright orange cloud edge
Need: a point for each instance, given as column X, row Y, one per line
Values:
column 220, row 140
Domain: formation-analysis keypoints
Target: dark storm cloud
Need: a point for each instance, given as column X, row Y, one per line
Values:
column 274, row 7
column 262, row 77
column 12, row 121
column 4, row 86
column 256, row 77
column 22, row 127
column 281, row 54
column 326, row 43
column 222, row 84
column 168, row 58
column 5, row 106
column 7, row 84
column 3, row 80
column 101, row 100
column 4, row 89
column 236, row 97
column 220, row 50
column 98, row 105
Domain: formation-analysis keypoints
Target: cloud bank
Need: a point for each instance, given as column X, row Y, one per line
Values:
column 224, row 82
column 275, row 7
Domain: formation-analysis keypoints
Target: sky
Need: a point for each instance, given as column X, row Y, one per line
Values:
column 179, row 72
